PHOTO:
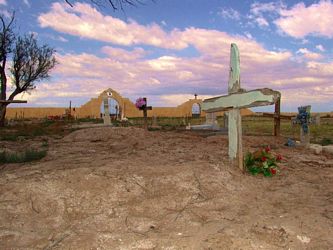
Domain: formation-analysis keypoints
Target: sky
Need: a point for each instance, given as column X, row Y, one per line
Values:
column 168, row 50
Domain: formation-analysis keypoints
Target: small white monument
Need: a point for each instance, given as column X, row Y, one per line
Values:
column 106, row 115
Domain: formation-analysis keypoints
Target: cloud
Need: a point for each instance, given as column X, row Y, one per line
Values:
column 5, row 13
column 325, row 69
column 178, row 99
column 3, row 2
column 301, row 21
column 229, row 13
column 85, row 21
column 27, row 3
column 309, row 54
column 320, row 47
column 262, row 22
column 259, row 10
column 169, row 76
column 309, row 96
column 118, row 54
column 300, row 80
column 55, row 37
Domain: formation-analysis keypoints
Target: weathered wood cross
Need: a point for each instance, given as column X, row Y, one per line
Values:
column 237, row 99
column 144, row 108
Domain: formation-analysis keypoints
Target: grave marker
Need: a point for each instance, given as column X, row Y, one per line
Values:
column 144, row 108
column 237, row 99
column 106, row 116
column 155, row 121
column 304, row 119
column 210, row 124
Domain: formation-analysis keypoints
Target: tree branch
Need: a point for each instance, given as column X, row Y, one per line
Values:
column 69, row 3
column 115, row 4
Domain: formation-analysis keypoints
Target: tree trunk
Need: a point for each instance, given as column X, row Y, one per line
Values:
column 2, row 114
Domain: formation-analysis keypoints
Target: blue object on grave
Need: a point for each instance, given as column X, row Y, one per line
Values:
column 290, row 143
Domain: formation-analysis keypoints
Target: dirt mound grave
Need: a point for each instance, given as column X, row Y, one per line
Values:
column 126, row 188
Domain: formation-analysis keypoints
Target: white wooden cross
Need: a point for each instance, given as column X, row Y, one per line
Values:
column 237, row 99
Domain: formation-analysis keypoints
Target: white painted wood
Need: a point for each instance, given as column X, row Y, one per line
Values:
column 236, row 99
column 235, row 120
column 253, row 98
column 234, row 72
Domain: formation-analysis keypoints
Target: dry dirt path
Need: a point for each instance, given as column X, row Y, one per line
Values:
column 124, row 188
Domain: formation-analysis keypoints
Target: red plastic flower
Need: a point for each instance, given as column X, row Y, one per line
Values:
column 263, row 158
column 267, row 149
column 278, row 157
column 273, row 171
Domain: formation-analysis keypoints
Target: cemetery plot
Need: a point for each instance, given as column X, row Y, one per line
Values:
column 125, row 188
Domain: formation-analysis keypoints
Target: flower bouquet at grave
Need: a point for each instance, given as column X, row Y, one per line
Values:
column 140, row 103
column 262, row 162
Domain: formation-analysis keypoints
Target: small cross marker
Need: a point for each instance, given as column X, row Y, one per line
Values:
column 144, row 108
column 304, row 119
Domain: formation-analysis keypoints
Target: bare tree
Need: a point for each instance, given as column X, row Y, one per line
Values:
column 30, row 63
column 115, row 4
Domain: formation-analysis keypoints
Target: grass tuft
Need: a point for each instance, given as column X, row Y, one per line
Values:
column 9, row 137
column 27, row 156
column 326, row 141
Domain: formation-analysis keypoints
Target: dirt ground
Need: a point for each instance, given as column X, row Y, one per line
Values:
column 126, row 188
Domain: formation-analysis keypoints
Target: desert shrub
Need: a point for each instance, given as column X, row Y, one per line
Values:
column 27, row 156
column 326, row 141
column 47, row 122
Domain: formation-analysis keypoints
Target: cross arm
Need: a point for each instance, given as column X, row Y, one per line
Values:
column 238, row 100
column 13, row 101
column 146, row 108
column 310, row 121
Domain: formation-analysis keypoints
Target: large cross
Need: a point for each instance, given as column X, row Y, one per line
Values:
column 237, row 99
